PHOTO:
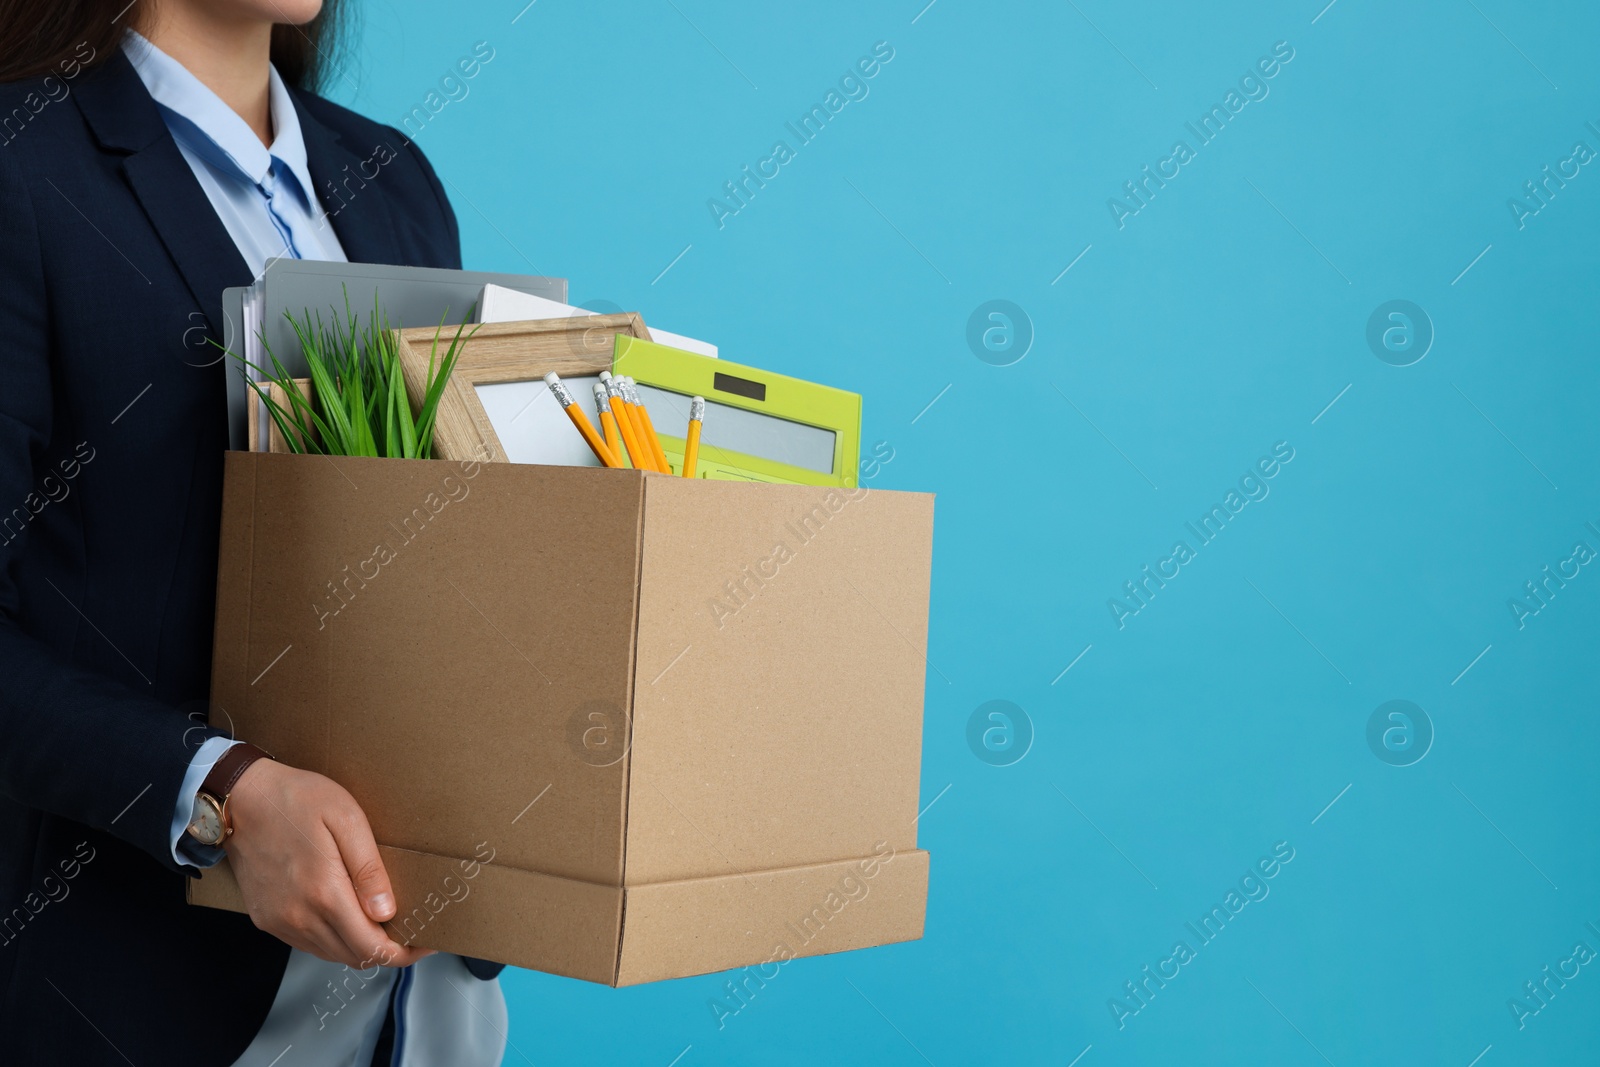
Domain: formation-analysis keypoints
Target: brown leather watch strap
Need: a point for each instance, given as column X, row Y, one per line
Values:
column 225, row 772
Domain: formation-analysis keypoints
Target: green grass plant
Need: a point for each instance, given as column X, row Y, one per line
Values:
column 358, row 404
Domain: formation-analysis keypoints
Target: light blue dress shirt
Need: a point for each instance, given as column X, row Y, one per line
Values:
column 325, row 1014
column 264, row 196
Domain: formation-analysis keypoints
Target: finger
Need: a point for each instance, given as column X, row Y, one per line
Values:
column 336, row 922
column 395, row 953
column 406, row 958
column 302, row 928
column 368, row 896
column 328, row 944
column 359, row 851
column 309, row 933
column 355, row 941
column 368, row 943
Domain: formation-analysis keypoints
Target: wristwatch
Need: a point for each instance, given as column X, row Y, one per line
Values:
column 211, row 824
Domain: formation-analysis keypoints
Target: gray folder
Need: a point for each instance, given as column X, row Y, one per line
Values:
column 409, row 296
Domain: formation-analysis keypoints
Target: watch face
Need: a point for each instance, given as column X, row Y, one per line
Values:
column 205, row 825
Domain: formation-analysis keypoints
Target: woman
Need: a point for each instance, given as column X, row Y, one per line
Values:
column 152, row 154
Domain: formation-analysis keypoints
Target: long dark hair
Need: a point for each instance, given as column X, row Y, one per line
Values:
column 39, row 37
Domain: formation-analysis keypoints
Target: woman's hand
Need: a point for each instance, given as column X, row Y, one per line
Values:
column 309, row 868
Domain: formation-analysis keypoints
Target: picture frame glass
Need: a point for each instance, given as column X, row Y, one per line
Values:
column 531, row 426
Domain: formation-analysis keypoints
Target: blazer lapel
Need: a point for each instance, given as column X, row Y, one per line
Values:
column 125, row 119
column 349, row 191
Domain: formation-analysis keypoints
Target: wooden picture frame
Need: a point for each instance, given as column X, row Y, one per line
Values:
column 276, row 442
column 256, row 411
column 504, row 352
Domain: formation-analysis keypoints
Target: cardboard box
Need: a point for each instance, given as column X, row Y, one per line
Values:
column 606, row 724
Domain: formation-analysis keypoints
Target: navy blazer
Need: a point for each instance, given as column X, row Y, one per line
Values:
column 112, row 432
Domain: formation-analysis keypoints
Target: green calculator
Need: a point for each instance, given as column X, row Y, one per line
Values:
column 758, row 426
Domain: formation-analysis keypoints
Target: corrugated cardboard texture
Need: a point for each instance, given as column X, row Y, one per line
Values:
column 439, row 687
column 465, row 648
column 673, row 929
column 558, row 925
column 778, row 701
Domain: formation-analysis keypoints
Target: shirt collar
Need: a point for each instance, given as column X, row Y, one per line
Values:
column 199, row 118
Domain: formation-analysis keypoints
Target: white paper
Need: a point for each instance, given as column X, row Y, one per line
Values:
column 500, row 304
column 530, row 424
column 532, row 427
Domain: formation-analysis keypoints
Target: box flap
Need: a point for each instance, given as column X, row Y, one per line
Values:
column 522, row 918
column 763, row 919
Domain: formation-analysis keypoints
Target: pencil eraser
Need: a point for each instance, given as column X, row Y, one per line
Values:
column 552, row 378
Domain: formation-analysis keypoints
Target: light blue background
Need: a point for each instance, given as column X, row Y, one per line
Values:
column 1222, row 319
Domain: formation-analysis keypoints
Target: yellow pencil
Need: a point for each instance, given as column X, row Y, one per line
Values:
column 691, row 440
column 596, row 444
column 646, row 459
column 619, row 411
column 650, row 440
column 608, row 421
